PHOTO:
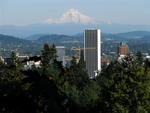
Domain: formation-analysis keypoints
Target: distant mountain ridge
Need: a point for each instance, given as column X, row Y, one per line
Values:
column 138, row 33
column 9, row 43
column 68, row 29
column 60, row 38
column 137, row 40
column 43, row 38
column 54, row 38
column 6, row 39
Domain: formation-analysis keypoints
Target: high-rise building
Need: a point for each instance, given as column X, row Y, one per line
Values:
column 92, row 51
column 123, row 49
column 61, row 54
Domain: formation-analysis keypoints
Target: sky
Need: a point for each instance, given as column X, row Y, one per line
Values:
column 25, row 12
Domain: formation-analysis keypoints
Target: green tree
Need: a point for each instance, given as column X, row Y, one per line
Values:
column 81, row 63
column 48, row 55
column 12, row 71
column 81, row 92
column 48, row 58
column 139, row 58
column 14, row 60
column 147, row 65
column 125, row 88
column 78, row 74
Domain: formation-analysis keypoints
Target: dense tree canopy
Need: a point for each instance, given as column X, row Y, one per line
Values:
column 125, row 88
column 121, row 87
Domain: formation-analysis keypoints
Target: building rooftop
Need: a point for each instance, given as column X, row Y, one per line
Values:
column 60, row 46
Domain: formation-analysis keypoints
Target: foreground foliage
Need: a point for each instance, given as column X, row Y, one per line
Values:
column 122, row 87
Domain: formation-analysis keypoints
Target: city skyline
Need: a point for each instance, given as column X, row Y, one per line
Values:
column 17, row 12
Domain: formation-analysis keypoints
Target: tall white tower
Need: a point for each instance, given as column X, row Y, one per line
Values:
column 92, row 51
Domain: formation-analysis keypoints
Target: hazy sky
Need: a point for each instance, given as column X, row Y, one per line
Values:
column 24, row 12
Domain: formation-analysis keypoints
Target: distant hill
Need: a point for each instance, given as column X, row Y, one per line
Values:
column 137, row 41
column 34, row 37
column 67, row 29
column 54, row 38
column 9, row 43
column 134, row 34
column 11, row 40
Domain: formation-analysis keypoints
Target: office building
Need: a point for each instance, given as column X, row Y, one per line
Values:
column 92, row 51
column 61, row 54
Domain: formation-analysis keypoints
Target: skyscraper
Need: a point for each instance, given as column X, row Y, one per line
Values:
column 92, row 51
column 61, row 54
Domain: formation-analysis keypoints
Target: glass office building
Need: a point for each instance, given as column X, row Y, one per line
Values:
column 92, row 51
